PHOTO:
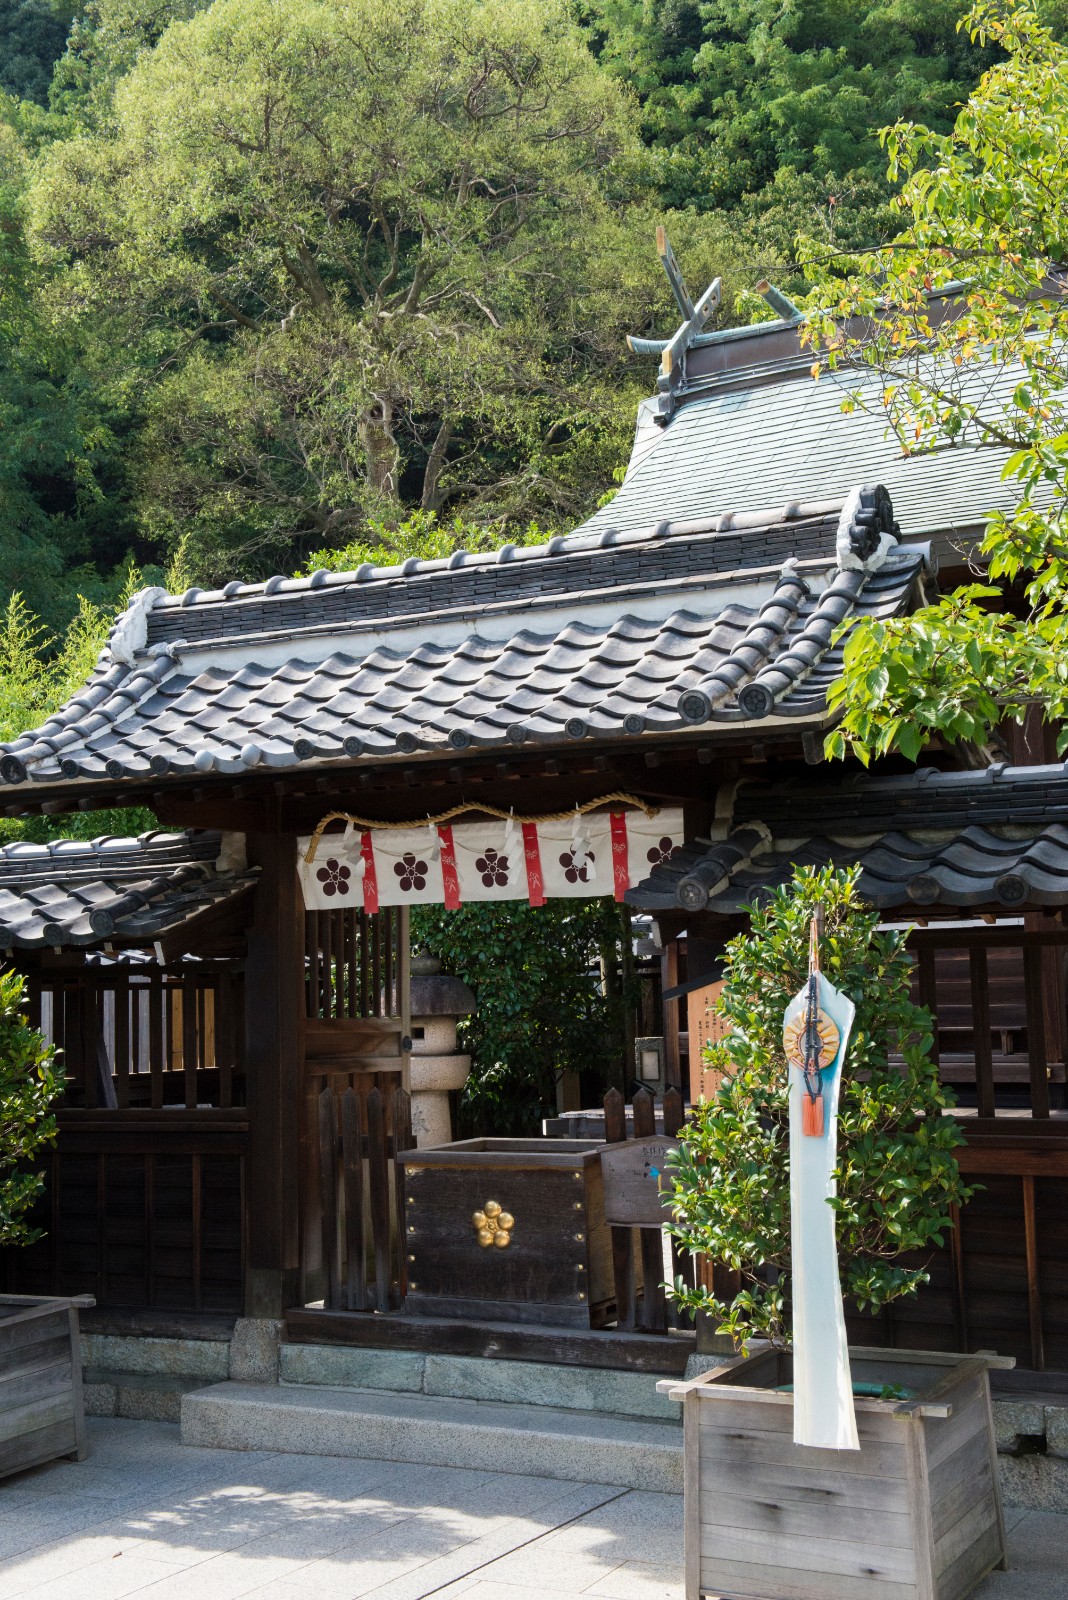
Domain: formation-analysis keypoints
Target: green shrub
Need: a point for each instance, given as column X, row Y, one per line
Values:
column 897, row 1175
column 29, row 1083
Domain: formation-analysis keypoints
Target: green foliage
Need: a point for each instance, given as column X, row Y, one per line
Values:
column 38, row 673
column 105, row 41
column 63, row 531
column 542, row 1010
column 987, row 204
column 33, row 34
column 896, row 1176
column 747, row 104
column 366, row 252
column 424, row 535
column 29, row 1083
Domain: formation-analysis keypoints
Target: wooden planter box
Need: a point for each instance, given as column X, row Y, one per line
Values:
column 555, row 1266
column 914, row 1515
column 41, row 1415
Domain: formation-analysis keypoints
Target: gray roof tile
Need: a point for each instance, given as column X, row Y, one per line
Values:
column 927, row 839
column 792, row 438
column 270, row 680
column 134, row 890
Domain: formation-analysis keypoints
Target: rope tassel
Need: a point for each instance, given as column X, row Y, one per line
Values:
column 812, row 1124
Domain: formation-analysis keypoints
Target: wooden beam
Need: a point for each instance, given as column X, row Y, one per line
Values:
column 603, row 1348
column 982, row 1042
column 935, row 938
column 274, row 1011
column 669, row 977
column 1034, row 1294
column 215, row 811
column 615, row 1132
column 1035, row 1009
column 960, row 1298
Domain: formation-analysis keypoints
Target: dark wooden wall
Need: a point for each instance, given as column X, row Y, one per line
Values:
column 1002, row 1283
column 141, row 1210
column 998, row 994
column 144, row 1198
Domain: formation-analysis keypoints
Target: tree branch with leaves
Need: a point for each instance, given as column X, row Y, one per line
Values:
column 963, row 322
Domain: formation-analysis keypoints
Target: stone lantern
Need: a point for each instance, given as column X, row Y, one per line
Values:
column 436, row 1065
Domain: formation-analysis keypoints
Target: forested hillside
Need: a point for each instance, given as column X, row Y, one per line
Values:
column 277, row 274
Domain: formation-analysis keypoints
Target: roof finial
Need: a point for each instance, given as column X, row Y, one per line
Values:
column 672, row 351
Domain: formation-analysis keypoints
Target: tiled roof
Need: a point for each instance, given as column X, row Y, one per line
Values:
column 925, row 799
column 792, row 438
column 84, row 892
column 993, row 838
column 600, row 636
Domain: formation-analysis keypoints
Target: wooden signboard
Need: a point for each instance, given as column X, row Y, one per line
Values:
column 637, row 1182
column 705, row 1027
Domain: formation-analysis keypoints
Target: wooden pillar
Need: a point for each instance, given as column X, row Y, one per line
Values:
column 669, row 977
column 274, row 1010
column 1055, row 1016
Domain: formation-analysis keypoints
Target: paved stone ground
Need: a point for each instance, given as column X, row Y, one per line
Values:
column 145, row 1516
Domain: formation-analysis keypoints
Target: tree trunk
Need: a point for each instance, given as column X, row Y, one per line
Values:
column 435, row 465
column 380, row 448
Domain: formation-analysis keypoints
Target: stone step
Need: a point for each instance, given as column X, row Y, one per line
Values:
column 143, row 1396
column 436, row 1430
column 207, row 1359
column 538, row 1383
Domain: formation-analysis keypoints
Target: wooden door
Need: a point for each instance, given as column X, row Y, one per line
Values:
column 356, row 1035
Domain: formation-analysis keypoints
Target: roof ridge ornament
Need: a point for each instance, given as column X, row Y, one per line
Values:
column 866, row 531
column 672, row 352
column 130, row 634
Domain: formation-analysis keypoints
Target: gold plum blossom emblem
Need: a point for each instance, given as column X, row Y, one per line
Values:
column 493, row 1225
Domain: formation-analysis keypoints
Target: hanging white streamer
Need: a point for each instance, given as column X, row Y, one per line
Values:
column 824, row 1415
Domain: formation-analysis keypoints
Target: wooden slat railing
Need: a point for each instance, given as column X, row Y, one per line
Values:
column 999, row 1001
column 144, row 1037
column 640, row 1298
column 354, row 962
column 361, row 1197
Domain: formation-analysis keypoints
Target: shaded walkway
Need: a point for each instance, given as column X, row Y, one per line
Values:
column 145, row 1516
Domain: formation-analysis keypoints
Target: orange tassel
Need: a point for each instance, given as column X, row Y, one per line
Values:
column 811, row 1115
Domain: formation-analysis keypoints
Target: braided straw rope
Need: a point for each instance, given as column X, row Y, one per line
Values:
column 476, row 805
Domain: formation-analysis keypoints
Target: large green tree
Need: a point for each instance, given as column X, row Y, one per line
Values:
column 301, row 269
column 371, row 257
column 985, row 206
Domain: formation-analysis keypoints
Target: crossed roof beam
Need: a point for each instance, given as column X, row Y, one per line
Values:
column 672, row 352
